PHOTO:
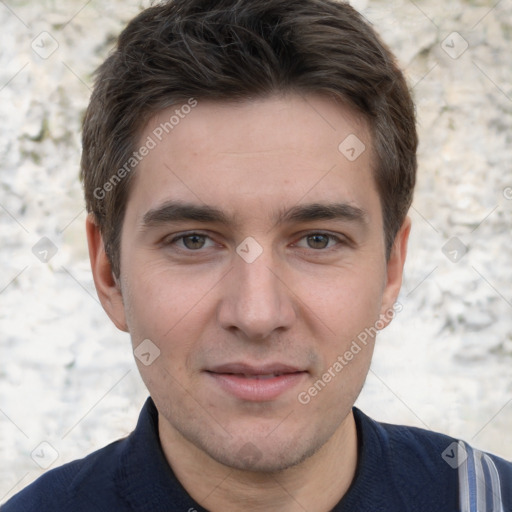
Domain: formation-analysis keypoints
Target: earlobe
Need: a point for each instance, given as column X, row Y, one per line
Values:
column 107, row 287
column 395, row 268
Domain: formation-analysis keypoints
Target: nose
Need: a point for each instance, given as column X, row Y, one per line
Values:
column 256, row 300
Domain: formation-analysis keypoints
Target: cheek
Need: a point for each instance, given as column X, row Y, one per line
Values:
column 166, row 305
column 348, row 308
column 345, row 301
column 169, row 313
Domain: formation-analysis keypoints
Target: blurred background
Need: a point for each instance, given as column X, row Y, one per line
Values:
column 68, row 381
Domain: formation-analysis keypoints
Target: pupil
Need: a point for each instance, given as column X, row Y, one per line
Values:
column 318, row 241
column 194, row 241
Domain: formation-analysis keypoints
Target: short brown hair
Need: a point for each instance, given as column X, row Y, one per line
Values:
column 240, row 49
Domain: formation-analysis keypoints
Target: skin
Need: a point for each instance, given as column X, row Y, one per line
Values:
column 299, row 303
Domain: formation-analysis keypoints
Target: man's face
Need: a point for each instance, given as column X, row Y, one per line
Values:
column 252, row 303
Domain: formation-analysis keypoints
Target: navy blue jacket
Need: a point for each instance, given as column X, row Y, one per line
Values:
column 399, row 469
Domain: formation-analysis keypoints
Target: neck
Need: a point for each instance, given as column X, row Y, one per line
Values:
column 318, row 483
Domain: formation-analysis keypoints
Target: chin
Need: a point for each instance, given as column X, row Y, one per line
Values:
column 262, row 456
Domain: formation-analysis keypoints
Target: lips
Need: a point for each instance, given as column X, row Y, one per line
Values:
column 261, row 377
column 256, row 383
column 255, row 370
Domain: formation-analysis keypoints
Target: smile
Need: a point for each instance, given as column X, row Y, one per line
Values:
column 256, row 384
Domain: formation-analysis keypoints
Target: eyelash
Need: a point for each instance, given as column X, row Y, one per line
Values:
column 340, row 241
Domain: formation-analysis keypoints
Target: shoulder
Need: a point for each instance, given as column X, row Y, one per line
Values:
column 414, row 445
column 409, row 464
column 81, row 485
column 424, row 463
column 129, row 474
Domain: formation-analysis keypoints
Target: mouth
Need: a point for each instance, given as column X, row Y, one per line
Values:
column 258, row 377
column 256, row 383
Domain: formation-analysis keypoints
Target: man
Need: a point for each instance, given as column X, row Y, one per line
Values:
column 248, row 167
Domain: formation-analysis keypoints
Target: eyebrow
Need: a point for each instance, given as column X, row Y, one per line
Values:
column 172, row 211
column 320, row 211
column 177, row 211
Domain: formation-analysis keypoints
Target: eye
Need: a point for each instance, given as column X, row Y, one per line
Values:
column 191, row 241
column 319, row 241
column 194, row 242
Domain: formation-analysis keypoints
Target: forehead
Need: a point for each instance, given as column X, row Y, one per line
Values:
column 293, row 117
column 253, row 155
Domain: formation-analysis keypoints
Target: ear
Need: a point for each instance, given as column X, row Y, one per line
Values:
column 107, row 286
column 395, row 268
